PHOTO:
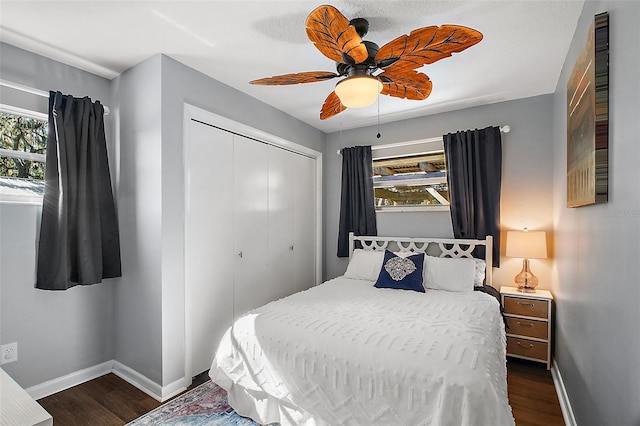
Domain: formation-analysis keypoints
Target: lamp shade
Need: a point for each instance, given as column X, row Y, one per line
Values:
column 358, row 91
column 527, row 244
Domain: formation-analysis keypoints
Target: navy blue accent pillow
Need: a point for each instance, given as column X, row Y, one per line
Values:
column 401, row 273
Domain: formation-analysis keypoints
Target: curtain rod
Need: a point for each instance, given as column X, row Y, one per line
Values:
column 36, row 92
column 503, row 129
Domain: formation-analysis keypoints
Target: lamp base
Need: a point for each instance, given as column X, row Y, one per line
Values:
column 525, row 281
column 525, row 289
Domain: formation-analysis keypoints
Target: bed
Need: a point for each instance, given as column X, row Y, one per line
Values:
column 356, row 350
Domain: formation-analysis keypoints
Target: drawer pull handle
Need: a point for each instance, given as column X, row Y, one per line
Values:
column 526, row 304
column 526, row 347
column 524, row 325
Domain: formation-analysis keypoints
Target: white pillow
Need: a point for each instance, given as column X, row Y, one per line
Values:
column 451, row 274
column 405, row 254
column 365, row 265
column 478, row 278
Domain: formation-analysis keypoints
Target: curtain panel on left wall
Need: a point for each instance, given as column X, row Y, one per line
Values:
column 79, row 238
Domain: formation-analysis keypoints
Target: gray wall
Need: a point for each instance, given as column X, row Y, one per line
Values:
column 527, row 179
column 596, row 282
column 138, row 296
column 57, row 332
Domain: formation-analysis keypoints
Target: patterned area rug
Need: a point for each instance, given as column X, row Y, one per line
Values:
column 205, row 405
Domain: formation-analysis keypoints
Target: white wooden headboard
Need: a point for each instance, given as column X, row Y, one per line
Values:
column 442, row 247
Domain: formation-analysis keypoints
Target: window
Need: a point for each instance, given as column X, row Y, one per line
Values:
column 23, row 141
column 410, row 176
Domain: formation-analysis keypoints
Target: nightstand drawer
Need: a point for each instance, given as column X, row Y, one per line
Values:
column 527, row 348
column 529, row 328
column 526, row 307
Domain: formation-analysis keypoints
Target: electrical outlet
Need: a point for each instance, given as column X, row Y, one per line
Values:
column 8, row 353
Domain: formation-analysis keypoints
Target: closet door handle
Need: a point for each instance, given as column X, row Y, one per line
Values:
column 291, row 248
column 240, row 255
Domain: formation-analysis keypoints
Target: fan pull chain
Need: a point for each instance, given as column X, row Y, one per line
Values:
column 378, row 135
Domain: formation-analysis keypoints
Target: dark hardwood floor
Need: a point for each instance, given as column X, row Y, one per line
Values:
column 111, row 401
column 105, row 401
column 532, row 395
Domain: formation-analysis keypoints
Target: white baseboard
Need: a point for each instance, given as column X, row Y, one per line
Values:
column 70, row 380
column 138, row 380
column 563, row 398
column 146, row 385
column 172, row 389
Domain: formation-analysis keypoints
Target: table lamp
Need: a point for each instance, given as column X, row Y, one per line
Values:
column 528, row 245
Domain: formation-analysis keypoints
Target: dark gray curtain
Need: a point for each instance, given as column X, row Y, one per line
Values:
column 357, row 208
column 474, row 174
column 79, row 240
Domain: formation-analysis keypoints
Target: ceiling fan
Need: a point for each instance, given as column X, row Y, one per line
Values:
column 340, row 40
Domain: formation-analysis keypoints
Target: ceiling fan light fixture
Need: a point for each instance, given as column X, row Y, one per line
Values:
column 358, row 91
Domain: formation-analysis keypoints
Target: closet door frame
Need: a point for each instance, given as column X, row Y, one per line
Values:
column 192, row 112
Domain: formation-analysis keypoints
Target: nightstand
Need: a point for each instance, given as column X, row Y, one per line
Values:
column 529, row 324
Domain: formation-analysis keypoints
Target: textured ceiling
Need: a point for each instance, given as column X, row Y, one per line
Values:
column 521, row 54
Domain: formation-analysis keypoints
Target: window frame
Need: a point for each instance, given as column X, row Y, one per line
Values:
column 403, row 149
column 22, row 198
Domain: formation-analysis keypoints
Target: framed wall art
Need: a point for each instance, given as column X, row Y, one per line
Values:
column 588, row 120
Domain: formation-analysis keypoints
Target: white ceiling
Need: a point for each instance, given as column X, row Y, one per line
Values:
column 521, row 54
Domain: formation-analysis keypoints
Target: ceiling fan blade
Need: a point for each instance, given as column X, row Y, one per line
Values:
column 409, row 84
column 426, row 46
column 332, row 35
column 332, row 106
column 296, row 78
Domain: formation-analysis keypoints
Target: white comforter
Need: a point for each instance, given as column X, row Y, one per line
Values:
column 347, row 353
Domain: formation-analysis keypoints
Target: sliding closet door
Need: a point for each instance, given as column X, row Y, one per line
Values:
column 282, row 173
column 305, row 222
column 208, row 258
column 250, row 184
